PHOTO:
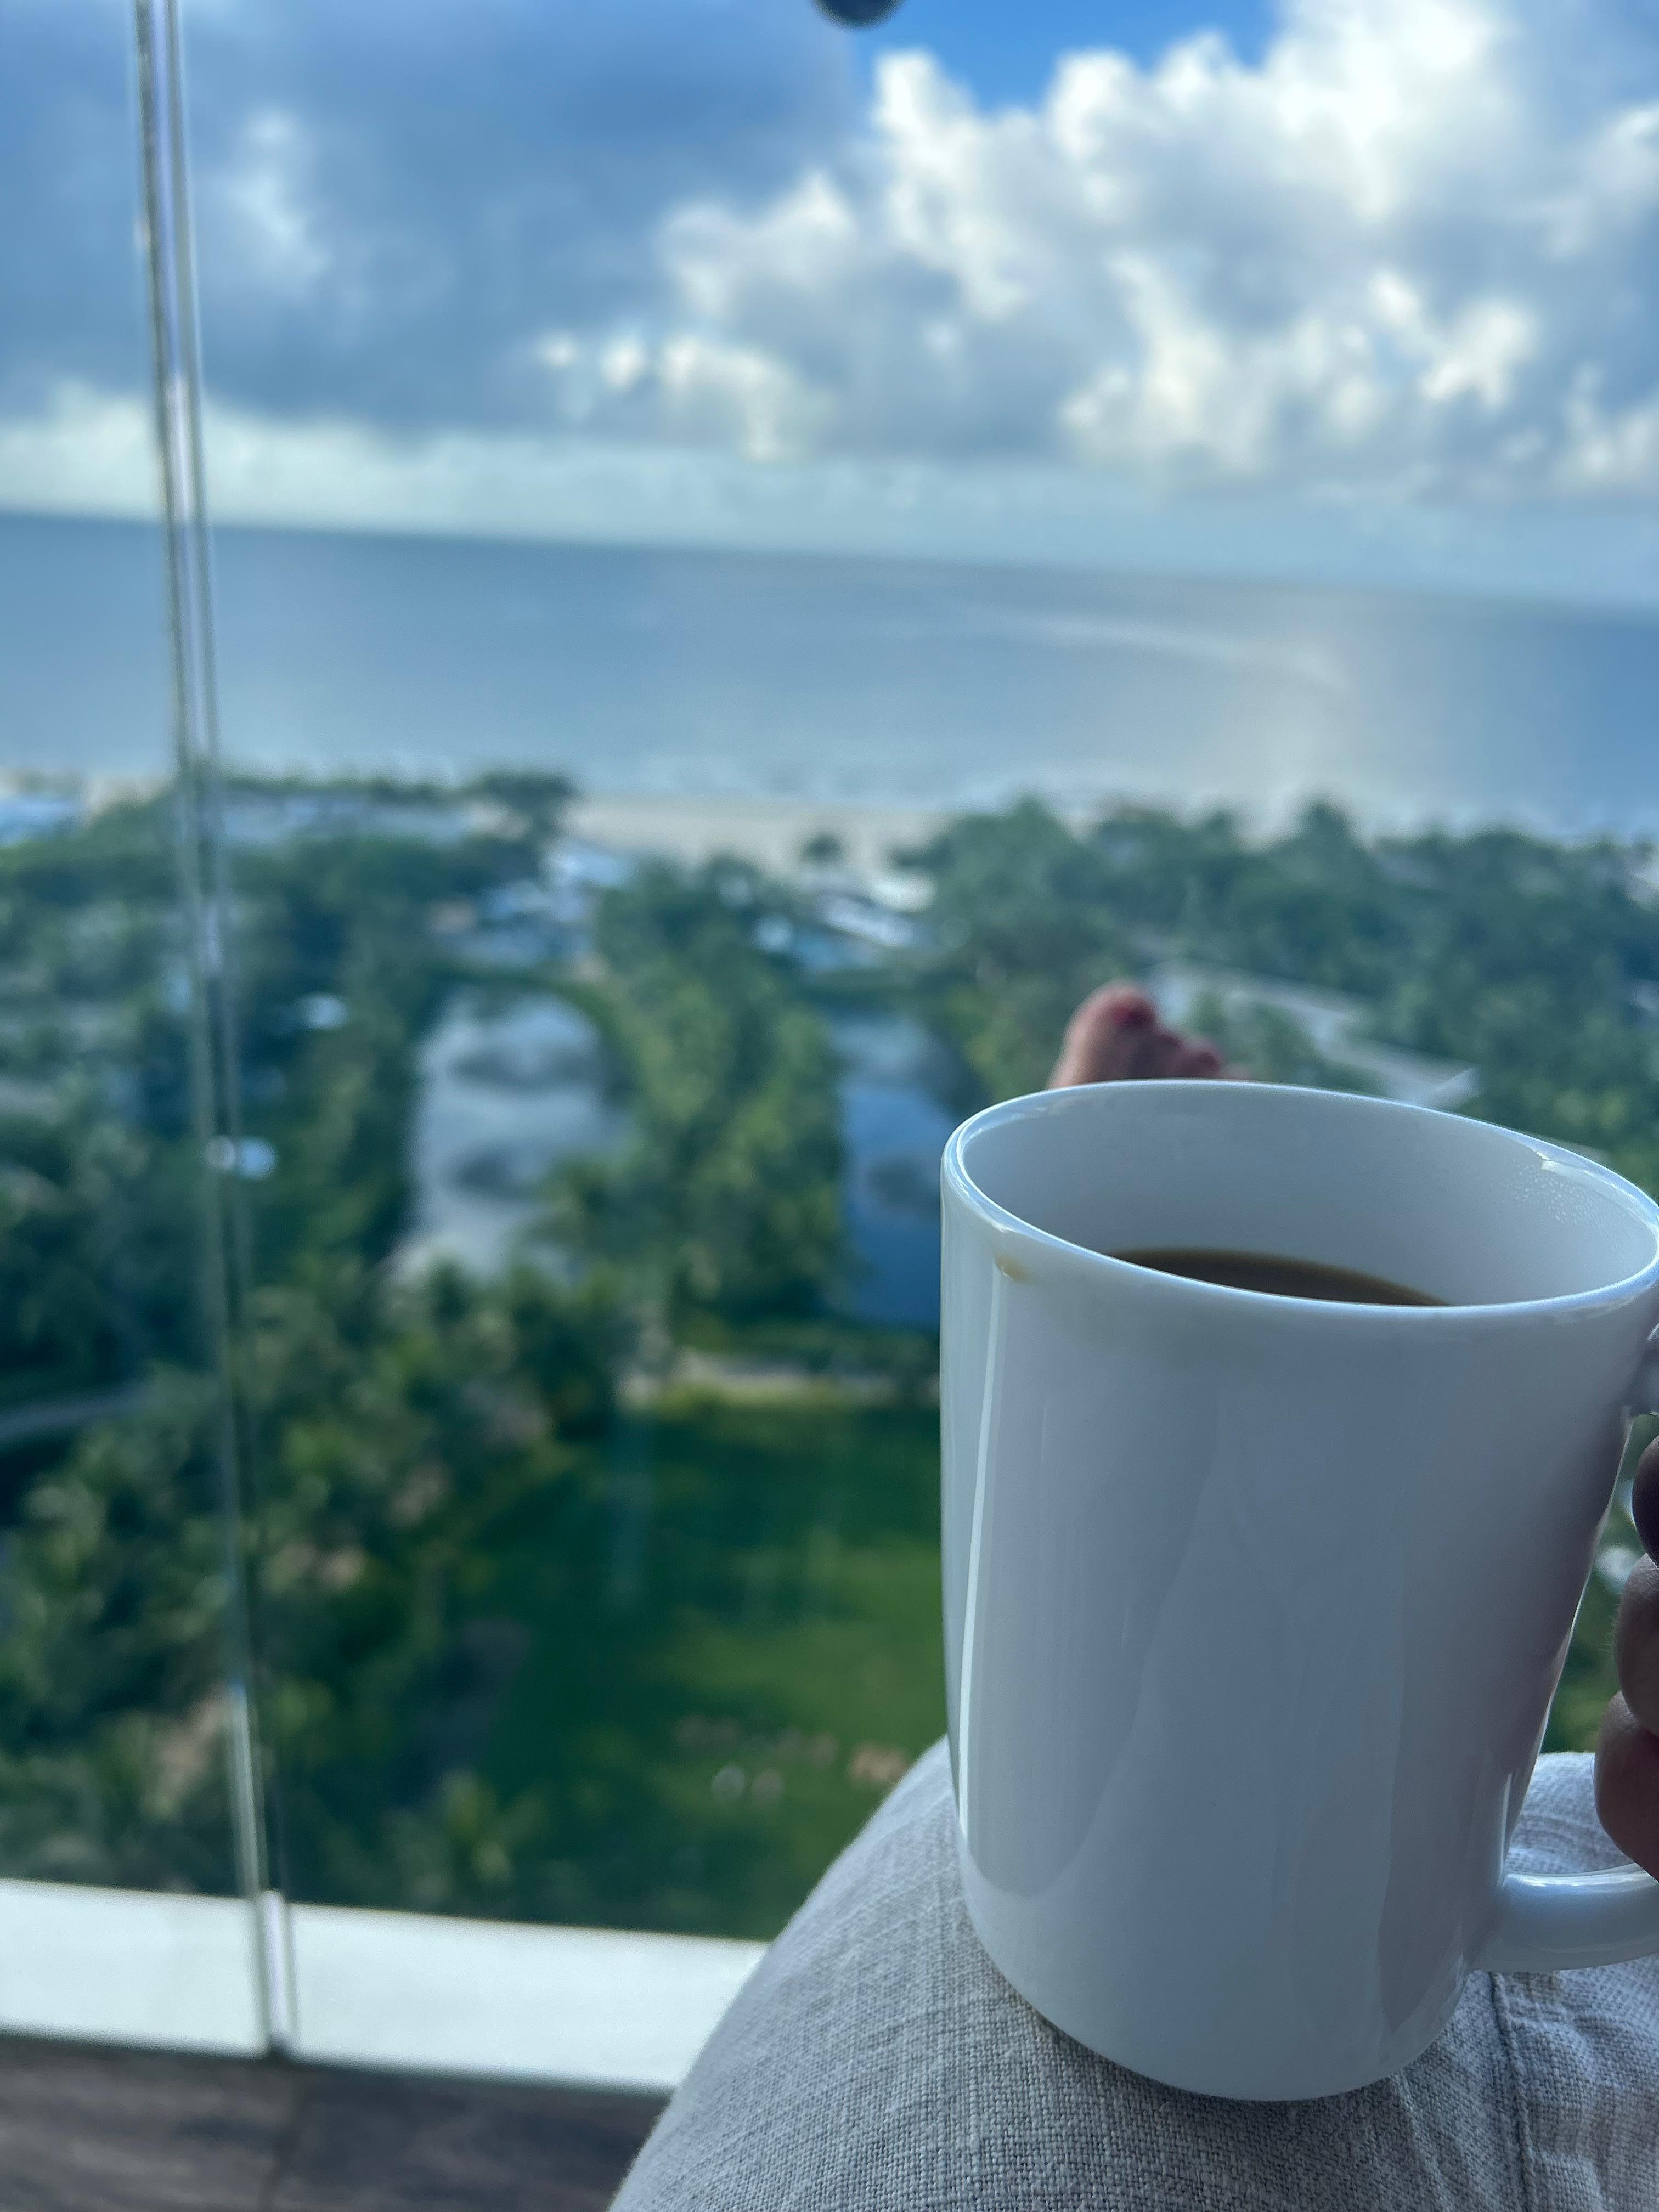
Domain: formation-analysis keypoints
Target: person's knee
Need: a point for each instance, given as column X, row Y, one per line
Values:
column 877, row 2059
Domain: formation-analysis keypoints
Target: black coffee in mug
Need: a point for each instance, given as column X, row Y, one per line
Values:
column 1280, row 1277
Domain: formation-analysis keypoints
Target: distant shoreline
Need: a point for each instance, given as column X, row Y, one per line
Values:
column 770, row 832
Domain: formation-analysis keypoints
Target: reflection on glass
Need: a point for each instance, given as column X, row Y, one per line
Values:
column 114, row 1702
column 122, row 1668
column 599, row 1570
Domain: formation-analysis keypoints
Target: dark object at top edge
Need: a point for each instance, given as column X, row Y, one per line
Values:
column 857, row 14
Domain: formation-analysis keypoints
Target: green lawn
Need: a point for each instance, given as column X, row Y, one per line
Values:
column 733, row 1652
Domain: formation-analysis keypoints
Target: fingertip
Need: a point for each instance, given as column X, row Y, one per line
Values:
column 1645, row 1499
column 1636, row 1643
column 1627, row 1784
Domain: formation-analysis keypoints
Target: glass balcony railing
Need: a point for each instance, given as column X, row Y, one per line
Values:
column 127, row 1735
column 750, row 569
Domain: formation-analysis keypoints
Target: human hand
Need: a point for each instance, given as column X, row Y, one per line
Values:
column 1627, row 1755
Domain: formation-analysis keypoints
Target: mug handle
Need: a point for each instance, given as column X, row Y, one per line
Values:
column 1549, row 1921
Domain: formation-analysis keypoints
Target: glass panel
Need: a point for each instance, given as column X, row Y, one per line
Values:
column 758, row 568
column 123, row 1677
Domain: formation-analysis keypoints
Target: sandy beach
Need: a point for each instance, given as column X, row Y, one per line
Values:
column 768, row 831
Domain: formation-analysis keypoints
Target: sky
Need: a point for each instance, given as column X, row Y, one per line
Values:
column 1349, row 289
column 1005, row 50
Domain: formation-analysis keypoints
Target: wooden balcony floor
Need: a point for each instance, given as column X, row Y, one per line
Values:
column 84, row 2129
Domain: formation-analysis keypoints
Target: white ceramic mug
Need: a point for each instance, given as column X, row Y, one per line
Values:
column 1254, row 1605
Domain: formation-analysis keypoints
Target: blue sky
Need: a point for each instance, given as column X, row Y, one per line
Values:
column 1005, row 49
column 1347, row 287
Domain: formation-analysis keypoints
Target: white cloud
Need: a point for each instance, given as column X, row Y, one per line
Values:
column 1353, row 302
column 86, row 453
column 273, row 229
column 1608, row 449
column 692, row 387
column 1616, row 187
column 91, row 453
column 1478, row 354
column 1404, row 251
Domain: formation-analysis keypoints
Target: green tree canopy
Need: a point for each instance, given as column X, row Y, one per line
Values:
column 1022, row 926
column 726, row 1194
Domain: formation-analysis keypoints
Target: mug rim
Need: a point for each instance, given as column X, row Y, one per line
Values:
column 956, row 1179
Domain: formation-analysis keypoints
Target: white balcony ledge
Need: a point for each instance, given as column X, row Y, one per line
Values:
column 389, row 1989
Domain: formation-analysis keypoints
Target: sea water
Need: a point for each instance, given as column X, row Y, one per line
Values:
column 651, row 670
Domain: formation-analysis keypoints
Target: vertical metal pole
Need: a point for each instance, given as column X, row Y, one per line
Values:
column 214, row 1054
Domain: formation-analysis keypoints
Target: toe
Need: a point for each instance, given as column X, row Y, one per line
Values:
column 1115, row 1036
column 1105, row 1037
column 1197, row 1057
column 1157, row 1055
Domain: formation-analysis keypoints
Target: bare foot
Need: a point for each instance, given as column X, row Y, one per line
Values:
column 1115, row 1036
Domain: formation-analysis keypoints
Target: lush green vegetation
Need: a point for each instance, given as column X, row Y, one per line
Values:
column 727, row 1200
column 1526, row 956
column 553, row 1618
column 522, row 1649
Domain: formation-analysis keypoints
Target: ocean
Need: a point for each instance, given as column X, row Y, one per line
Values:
column 674, row 672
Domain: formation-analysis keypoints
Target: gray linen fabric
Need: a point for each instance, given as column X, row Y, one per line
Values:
column 877, row 2061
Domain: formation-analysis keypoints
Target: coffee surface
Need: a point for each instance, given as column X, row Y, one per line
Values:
column 1280, row 1278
